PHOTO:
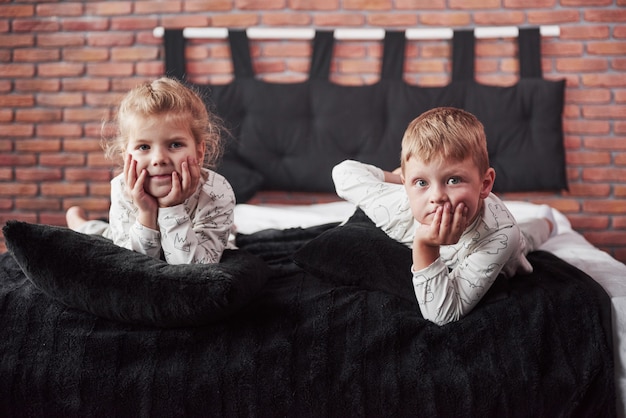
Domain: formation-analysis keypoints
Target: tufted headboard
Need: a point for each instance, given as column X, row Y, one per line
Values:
column 288, row 136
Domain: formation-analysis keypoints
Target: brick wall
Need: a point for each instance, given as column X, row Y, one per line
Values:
column 64, row 64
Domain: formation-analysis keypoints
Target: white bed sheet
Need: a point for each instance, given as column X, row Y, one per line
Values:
column 568, row 244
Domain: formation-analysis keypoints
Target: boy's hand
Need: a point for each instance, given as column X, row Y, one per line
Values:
column 394, row 176
column 446, row 229
column 182, row 188
column 146, row 204
column 447, row 226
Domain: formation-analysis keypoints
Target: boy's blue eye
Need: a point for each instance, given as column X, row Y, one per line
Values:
column 454, row 180
column 421, row 183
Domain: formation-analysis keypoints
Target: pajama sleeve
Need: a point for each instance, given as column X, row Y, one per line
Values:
column 195, row 231
column 125, row 231
column 445, row 295
column 384, row 203
column 199, row 235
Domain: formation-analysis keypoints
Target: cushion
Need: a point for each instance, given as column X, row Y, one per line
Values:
column 90, row 273
column 244, row 180
column 359, row 254
column 294, row 133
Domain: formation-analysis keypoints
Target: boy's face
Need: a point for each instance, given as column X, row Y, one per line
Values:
column 160, row 144
column 430, row 185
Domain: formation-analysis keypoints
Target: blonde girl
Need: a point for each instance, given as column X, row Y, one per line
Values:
column 167, row 202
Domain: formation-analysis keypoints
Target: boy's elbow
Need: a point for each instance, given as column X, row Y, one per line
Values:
column 440, row 311
column 441, row 318
column 339, row 174
column 341, row 168
column 336, row 172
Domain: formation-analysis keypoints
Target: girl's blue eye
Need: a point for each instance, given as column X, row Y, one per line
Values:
column 420, row 183
column 176, row 145
column 143, row 147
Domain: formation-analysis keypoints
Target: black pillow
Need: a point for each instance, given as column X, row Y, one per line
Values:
column 359, row 254
column 90, row 273
column 244, row 180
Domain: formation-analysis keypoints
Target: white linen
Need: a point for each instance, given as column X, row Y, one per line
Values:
column 567, row 244
column 253, row 218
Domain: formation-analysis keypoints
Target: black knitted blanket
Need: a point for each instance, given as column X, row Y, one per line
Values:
column 333, row 332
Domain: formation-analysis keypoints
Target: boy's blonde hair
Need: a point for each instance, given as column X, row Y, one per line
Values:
column 445, row 133
column 166, row 97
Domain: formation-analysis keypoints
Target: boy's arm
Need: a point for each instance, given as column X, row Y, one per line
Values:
column 354, row 179
column 446, row 228
column 392, row 176
column 445, row 296
column 384, row 203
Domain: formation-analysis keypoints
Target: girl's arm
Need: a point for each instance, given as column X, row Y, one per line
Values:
column 198, row 231
column 126, row 231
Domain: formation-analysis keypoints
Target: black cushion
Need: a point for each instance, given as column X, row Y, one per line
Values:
column 90, row 273
column 360, row 254
column 244, row 180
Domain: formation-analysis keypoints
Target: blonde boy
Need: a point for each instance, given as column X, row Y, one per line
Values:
column 440, row 204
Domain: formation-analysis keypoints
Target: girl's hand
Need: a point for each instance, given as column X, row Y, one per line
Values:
column 182, row 188
column 146, row 203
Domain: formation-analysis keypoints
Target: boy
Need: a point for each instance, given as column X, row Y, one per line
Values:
column 440, row 204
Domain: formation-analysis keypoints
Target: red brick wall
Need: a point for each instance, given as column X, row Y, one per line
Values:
column 63, row 65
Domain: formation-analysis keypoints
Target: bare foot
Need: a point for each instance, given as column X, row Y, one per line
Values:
column 546, row 213
column 550, row 225
column 75, row 217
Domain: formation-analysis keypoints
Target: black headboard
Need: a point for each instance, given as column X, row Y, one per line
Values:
column 288, row 136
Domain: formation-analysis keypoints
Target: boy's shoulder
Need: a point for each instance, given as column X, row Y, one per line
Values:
column 496, row 215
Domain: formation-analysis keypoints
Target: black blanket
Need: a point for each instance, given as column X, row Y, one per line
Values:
column 311, row 345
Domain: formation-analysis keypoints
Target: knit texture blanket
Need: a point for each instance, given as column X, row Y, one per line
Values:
column 313, row 342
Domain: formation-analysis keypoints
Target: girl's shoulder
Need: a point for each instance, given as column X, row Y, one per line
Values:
column 213, row 178
column 214, row 184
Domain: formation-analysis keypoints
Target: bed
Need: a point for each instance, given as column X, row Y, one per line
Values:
column 313, row 314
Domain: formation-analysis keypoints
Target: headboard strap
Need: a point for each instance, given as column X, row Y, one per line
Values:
column 174, row 43
column 240, row 53
column 529, row 41
column 323, row 45
column 393, row 55
column 463, row 53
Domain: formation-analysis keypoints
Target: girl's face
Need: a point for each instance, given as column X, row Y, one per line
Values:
column 430, row 185
column 160, row 144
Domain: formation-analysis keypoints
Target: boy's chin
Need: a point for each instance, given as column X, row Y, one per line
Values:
column 426, row 220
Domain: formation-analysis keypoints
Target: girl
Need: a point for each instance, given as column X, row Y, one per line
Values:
column 165, row 203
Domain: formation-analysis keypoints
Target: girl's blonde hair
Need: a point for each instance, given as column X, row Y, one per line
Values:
column 166, row 97
column 446, row 133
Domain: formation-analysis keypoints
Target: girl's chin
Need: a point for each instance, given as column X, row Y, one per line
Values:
column 158, row 192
